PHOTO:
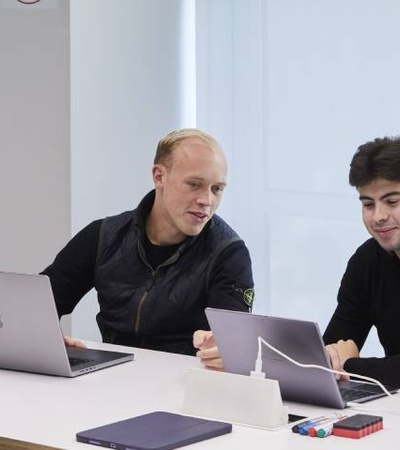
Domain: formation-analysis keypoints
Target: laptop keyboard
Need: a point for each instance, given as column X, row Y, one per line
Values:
column 349, row 395
column 77, row 361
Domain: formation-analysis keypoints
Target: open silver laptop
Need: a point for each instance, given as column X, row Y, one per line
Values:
column 31, row 339
column 236, row 334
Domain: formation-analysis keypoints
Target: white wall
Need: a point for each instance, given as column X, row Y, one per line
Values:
column 127, row 92
column 292, row 88
column 34, row 133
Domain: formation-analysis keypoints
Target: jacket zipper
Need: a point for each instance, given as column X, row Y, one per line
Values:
column 145, row 295
column 141, row 301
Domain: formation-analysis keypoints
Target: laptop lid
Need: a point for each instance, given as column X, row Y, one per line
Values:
column 236, row 334
column 31, row 339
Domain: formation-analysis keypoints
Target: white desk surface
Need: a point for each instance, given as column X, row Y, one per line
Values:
column 50, row 410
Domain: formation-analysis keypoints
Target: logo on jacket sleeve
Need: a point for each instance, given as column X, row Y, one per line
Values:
column 247, row 294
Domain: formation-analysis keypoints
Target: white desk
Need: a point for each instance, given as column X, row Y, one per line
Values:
column 50, row 410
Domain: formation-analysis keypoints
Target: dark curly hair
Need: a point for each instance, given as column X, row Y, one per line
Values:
column 379, row 158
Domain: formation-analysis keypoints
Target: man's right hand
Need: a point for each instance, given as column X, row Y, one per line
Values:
column 340, row 352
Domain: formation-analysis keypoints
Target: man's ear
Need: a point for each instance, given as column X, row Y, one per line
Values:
column 158, row 173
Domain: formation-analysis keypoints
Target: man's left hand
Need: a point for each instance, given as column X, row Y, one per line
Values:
column 208, row 350
column 71, row 342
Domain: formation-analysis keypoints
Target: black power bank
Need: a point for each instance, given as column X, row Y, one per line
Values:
column 158, row 430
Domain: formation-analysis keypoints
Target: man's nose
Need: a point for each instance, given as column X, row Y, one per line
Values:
column 381, row 213
column 205, row 197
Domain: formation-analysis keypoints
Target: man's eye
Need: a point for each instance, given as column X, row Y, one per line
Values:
column 393, row 202
column 218, row 189
column 194, row 184
column 368, row 205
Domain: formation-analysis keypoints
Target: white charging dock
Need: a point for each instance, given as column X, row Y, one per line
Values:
column 238, row 399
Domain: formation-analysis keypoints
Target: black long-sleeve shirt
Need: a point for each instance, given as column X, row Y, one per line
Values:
column 369, row 295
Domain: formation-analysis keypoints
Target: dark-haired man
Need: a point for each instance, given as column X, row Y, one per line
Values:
column 369, row 294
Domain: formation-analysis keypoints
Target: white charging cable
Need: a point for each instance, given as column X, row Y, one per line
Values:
column 257, row 372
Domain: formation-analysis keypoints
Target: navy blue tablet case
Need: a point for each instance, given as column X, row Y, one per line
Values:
column 154, row 431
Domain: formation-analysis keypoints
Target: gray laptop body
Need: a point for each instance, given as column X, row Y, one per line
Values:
column 236, row 334
column 31, row 339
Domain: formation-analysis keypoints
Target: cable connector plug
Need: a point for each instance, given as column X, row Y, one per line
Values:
column 257, row 372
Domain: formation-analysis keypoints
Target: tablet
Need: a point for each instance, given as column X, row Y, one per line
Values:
column 157, row 430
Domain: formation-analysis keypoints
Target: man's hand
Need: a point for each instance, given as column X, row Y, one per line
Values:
column 340, row 352
column 208, row 350
column 70, row 342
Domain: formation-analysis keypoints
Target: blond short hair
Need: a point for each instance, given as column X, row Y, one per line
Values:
column 168, row 143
